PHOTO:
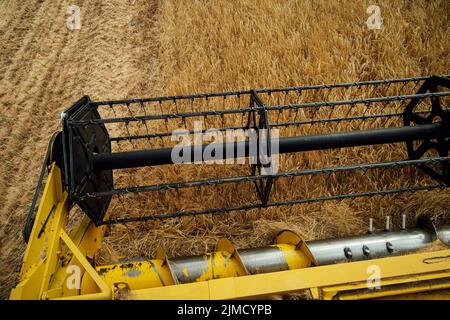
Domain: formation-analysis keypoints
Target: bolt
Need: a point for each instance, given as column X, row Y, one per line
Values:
column 403, row 221
column 348, row 253
column 366, row 250
column 389, row 247
column 388, row 223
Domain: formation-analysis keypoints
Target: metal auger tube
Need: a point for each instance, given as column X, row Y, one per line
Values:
column 370, row 246
column 292, row 254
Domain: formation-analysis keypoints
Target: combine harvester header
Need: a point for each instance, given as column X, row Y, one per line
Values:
column 104, row 145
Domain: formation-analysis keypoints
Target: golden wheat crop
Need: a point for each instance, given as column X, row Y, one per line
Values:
column 151, row 48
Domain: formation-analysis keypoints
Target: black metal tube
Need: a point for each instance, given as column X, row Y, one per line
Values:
column 141, row 158
column 360, row 138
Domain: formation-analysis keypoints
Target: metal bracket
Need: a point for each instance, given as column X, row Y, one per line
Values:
column 438, row 113
column 80, row 143
column 262, row 127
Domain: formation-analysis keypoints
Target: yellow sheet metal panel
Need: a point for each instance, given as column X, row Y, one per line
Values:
column 315, row 277
column 89, row 270
column 410, row 280
column 38, row 242
column 87, row 238
column 402, row 289
column 28, row 288
column 137, row 275
column 41, row 256
column 432, row 295
column 189, row 291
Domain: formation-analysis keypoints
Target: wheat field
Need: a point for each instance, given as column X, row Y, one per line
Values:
column 147, row 48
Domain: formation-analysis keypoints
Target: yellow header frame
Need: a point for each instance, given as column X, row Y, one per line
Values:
column 51, row 252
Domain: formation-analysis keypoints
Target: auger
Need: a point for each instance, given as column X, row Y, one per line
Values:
column 94, row 162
